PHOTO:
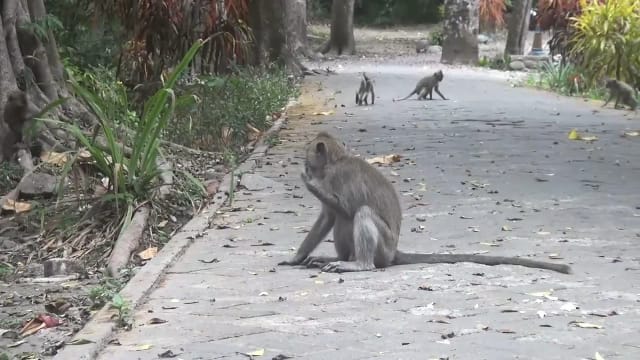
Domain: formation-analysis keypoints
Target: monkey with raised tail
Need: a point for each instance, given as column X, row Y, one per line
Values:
column 363, row 209
column 366, row 87
column 622, row 92
column 426, row 86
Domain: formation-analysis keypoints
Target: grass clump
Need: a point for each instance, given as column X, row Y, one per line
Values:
column 223, row 112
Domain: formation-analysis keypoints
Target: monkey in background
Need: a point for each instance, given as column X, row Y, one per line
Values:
column 622, row 91
column 366, row 87
column 363, row 209
column 426, row 86
column 15, row 117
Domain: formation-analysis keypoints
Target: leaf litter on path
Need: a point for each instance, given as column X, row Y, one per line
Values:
column 385, row 159
column 575, row 135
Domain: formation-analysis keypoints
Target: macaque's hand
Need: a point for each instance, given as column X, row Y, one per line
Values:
column 296, row 260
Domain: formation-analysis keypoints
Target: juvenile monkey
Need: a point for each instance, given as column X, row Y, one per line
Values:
column 15, row 116
column 426, row 86
column 363, row 209
column 622, row 92
column 366, row 87
column 422, row 46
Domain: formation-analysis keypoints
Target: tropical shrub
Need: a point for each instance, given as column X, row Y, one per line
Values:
column 606, row 39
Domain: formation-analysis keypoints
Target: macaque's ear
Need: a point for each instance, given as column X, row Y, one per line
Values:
column 321, row 148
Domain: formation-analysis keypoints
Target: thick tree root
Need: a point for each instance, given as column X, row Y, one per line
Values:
column 128, row 241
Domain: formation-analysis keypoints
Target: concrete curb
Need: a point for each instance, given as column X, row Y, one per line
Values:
column 100, row 329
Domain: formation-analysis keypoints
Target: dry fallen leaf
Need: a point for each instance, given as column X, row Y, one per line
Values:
column 54, row 158
column 16, row 206
column 325, row 113
column 148, row 254
column 144, row 347
column 258, row 352
column 585, row 325
column 574, row 135
column 385, row 160
column 489, row 244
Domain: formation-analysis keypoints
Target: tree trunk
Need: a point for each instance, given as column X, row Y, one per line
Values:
column 38, row 13
column 460, row 31
column 297, row 27
column 518, row 27
column 28, row 64
column 274, row 36
column 341, row 39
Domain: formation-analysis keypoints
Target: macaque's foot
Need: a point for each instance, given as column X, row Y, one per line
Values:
column 345, row 266
column 318, row 261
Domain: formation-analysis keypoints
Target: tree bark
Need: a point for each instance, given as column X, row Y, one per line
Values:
column 38, row 13
column 460, row 32
column 341, row 39
column 274, row 36
column 518, row 27
column 297, row 27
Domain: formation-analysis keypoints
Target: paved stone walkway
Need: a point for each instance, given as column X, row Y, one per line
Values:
column 490, row 171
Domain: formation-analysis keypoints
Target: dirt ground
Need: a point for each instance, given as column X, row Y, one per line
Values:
column 23, row 300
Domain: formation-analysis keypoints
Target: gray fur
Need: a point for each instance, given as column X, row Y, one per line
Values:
column 364, row 210
column 621, row 91
column 426, row 86
column 366, row 87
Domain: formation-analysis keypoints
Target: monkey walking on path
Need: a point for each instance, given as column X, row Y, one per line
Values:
column 426, row 86
column 621, row 91
column 366, row 87
column 363, row 209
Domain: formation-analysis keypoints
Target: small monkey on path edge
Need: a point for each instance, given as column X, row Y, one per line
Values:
column 366, row 87
column 621, row 91
column 363, row 209
column 15, row 116
column 426, row 86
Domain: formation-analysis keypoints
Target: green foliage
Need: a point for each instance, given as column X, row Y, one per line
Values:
column 102, row 82
column 102, row 293
column 565, row 79
column 123, row 317
column 5, row 271
column 396, row 12
column 497, row 63
column 90, row 39
column 41, row 27
column 607, row 39
column 10, row 175
column 436, row 36
column 133, row 176
column 217, row 113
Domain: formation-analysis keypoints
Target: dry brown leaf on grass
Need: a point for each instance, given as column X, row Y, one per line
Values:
column 254, row 133
column 148, row 254
column 54, row 158
column 385, row 159
column 16, row 206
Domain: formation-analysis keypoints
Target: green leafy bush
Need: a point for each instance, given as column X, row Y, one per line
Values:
column 606, row 39
column 436, row 36
column 133, row 175
column 102, row 82
column 218, row 113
